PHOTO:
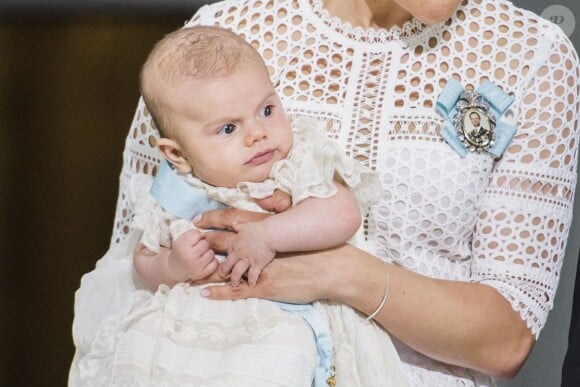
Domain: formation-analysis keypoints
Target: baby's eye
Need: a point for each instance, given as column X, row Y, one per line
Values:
column 267, row 111
column 227, row 129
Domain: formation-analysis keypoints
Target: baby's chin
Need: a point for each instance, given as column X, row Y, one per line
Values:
column 255, row 178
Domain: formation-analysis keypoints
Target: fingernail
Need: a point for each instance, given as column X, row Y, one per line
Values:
column 204, row 292
column 197, row 218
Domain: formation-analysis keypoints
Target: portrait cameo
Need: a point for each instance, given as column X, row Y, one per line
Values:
column 477, row 128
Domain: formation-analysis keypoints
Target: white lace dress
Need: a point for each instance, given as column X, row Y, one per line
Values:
column 176, row 337
column 503, row 223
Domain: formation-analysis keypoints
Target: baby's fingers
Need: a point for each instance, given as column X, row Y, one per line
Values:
column 227, row 266
column 253, row 275
column 189, row 238
column 210, row 264
column 238, row 271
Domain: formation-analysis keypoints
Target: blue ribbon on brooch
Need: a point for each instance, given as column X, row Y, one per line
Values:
column 494, row 99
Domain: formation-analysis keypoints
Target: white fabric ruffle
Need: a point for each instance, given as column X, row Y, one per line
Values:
column 176, row 337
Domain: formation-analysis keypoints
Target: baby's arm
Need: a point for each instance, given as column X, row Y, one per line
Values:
column 189, row 259
column 312, row 224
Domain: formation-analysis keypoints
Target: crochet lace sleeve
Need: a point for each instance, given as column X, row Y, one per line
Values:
column 526, row 213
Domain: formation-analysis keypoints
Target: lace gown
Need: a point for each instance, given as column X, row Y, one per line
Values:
column 504, row 222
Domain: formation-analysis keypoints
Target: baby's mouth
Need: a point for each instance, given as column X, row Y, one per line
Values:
column 261, row 158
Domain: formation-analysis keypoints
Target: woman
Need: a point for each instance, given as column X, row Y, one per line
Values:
column 473, row 240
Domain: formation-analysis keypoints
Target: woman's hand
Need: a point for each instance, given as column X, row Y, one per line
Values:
column 298, row 279
column 215, row 277
column 226, row 218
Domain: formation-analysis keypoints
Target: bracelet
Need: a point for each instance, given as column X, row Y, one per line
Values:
column 385, row 296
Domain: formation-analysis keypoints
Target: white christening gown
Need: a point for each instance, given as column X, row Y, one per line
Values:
column 177, row 337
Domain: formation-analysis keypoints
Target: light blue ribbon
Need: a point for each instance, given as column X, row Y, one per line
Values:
column 321, row 335
column 184, row 201
column 498, row 102
column 177, row 197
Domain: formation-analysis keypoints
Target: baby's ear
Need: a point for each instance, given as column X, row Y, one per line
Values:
column 173, row 153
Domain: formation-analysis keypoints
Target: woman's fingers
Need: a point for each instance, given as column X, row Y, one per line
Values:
column 220, row 241
column 210, row 263
column 225, row 218
column 300, row 278
column 228, row 292
column 214, row 277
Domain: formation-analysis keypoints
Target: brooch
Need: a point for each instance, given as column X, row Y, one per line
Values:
column 473, row 118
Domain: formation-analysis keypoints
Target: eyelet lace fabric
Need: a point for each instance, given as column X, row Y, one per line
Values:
column 503, row 223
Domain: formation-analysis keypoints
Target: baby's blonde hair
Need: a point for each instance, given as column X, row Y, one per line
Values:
column 199, row 53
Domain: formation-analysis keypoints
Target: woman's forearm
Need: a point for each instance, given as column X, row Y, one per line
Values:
column 466, row 324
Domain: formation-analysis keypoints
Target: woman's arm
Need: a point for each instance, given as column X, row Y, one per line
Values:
column 466, row 324
column 490, row 323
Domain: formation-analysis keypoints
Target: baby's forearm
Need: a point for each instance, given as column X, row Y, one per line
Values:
column 314, row 223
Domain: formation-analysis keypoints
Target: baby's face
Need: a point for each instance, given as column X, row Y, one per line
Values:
column 231, row 129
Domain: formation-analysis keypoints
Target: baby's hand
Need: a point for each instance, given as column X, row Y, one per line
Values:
column 191, row 257
column 250, row 252
column 278, row 202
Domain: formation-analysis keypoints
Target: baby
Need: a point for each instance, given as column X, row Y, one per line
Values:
column 224, row 133
column 224, row 129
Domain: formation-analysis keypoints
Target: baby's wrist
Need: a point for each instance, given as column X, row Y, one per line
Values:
column 175, row 278
column 269, row 236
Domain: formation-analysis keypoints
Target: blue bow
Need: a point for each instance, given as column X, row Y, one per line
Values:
column 497, row 101
column 177, row 197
